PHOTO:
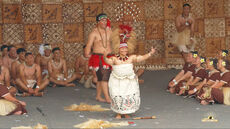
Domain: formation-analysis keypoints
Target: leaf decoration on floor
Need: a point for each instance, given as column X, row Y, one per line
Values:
column 86, row 107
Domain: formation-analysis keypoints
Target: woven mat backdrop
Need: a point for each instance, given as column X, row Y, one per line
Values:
column 67, row 23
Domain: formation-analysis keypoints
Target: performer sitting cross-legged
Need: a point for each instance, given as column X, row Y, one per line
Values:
column 43, row 58
column 197, row 77
column 58, row 70
column 185, row 73
column 5, row 78
column 221, row 90
column 123, row 82
column 15, row 65
column 204, row 88
column 30, row 80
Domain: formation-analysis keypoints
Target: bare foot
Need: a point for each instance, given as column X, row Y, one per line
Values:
column 70, row 85
column 18, row 113
column 118, row 116
column 26, row 94
column 100, row 99
column 203, row 102
column 108, row 101
column 39, row 94
column 127, row 116
column 141, row 81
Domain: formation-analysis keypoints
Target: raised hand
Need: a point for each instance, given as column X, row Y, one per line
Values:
column 152, row 51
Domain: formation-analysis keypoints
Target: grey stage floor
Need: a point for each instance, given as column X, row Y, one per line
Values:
column 172, row 111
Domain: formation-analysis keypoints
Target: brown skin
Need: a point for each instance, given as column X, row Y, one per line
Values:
column 5, row 78
column 11, row 98
column 42, row 61
column 181, row 75
column 5, row 52
column 31, row 71
column 95, row 42
column 123, row 52
column 81, row 65
column 8, row 60
column 181, row 22
column 54, row 71
column 15, row 66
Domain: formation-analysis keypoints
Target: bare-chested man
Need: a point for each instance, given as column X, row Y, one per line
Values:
column 99, row 40
column 5, row 78
column 184, row 37
column 58, row 73
column 30, row 80
column 12, row 56
column 81, row 68
column 15, row 65
column 43, row 59
column 4, row 50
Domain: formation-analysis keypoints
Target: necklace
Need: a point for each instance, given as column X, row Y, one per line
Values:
column 47, row 57
column 56, row 64
column 122, row 58
column 104, row 45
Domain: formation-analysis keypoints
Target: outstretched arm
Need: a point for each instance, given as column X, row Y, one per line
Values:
column 144, row 57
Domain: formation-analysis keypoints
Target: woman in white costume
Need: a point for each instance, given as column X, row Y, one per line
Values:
column 123, row 82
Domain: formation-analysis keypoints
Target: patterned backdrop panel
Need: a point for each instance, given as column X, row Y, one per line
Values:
column 68, row 23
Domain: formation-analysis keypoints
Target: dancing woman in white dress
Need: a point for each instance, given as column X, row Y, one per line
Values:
column 123, row 82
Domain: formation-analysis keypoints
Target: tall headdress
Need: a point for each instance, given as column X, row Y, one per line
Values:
column 123, row 37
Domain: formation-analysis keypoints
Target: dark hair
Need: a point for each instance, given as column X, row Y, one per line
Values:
column 11, row 46
column 100, row 15
column 19, row 50
column 84, row 46
column 194, row 52
column 215, row 61
column 227, row 66
column 55, row 49
column 225, row 51
column 186, row 4
column 28, row 53
column 46, row 44
column 3, row 47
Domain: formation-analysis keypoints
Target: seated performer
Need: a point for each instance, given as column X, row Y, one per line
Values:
column 12, row 56
column 81, row 68
column 5, row 78
column 15, row 65
column 197, row 77
column 43, row 58
column 30, row 81
column 184, row 37
column 222, row 54
column 221, row 90
column 58, row 70
column 123, row 82
column 185, row 73
column 203, row 89
column 4, row 50
column 9, row 105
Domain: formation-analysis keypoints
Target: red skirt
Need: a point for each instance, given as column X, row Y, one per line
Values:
column 96, row 60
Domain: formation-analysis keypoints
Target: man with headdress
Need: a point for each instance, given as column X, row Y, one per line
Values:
column 99, row 41
column 184, row 37
column 30, row 82
column 123, row 82
column 43, row 58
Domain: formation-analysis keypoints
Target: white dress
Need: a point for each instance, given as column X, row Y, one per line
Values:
column 124, row 89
